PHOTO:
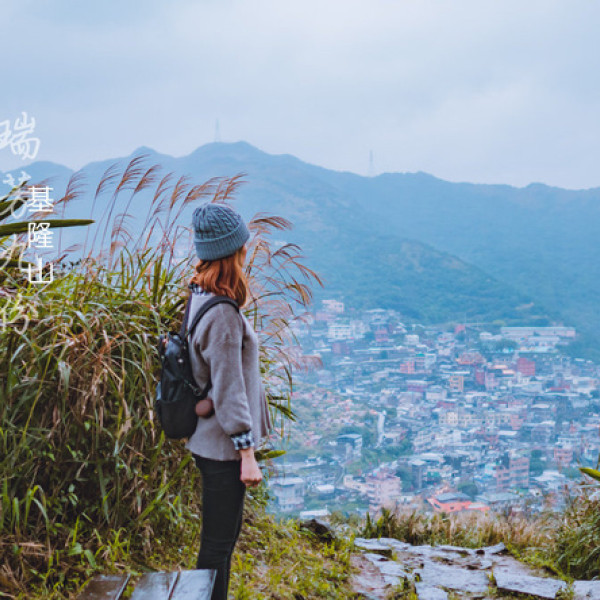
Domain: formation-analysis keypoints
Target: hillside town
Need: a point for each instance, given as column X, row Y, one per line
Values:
column 468, row 417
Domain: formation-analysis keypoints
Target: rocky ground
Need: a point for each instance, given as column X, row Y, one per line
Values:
column 450, row 572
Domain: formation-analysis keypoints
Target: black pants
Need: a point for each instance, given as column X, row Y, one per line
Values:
column 222, row 507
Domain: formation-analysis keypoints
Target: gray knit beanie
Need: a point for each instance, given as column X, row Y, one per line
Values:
column 218, row 231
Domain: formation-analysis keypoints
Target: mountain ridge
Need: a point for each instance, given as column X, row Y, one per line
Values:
column 538, row 240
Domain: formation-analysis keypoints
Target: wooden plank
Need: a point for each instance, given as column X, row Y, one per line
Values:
column 155, row 586
column 104, row 587
column 195, row 585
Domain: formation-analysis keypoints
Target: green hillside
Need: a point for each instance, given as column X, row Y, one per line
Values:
column 420, row 282
column 515, row 246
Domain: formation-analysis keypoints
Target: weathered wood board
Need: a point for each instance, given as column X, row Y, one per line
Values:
column 104, row 587
column 195, row 585
column 155, row 586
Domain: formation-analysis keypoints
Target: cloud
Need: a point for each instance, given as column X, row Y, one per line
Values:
column 496, row 91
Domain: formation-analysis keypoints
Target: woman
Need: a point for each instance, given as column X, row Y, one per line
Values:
column 235, row 416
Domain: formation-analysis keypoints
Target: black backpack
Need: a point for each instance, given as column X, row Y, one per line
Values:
column 177, row 392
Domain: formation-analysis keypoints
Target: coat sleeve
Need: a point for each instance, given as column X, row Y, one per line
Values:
column 220, row 345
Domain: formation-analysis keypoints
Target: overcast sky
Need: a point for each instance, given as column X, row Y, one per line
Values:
column 498, row 91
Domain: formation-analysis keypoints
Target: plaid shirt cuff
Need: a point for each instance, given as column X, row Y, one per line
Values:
column 242, row 440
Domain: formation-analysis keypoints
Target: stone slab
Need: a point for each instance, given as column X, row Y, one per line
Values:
column 368, row 581
column 395, row 544
column 454, row 578
column 373, row 545
column 392, row 580
column 586, row 590
column 457, row 549
column 430, row 592
column 505, row 563
column 391, row 567
column 495, row 549
column 374, row 558
column 540, row 587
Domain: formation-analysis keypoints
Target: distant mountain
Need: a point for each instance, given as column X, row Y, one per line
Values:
column 435, row 250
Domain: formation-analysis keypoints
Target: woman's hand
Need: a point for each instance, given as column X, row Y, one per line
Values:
column 250, row 472
column 204, row 407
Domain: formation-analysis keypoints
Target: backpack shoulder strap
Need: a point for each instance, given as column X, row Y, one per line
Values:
column 201, row 311
column 185, row 316
column 207, row 306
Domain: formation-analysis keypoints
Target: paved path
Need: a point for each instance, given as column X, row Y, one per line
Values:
column 434, row 571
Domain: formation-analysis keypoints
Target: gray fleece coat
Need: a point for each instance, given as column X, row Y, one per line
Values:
column 225, row 345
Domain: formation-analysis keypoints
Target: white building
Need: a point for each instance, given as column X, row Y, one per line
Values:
column 288, row 491
column 339, row 331
column 334, row 306
column 521, row 333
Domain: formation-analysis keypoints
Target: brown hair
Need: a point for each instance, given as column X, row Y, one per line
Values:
column 223, row 276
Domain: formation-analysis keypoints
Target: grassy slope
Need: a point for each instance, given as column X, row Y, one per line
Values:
column 273, row 559
column 277, row 558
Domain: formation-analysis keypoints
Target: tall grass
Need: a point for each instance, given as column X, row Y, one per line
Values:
column 88, row 479
column 468, row 529
column 577, row 543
